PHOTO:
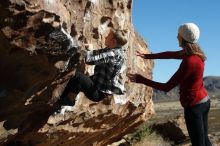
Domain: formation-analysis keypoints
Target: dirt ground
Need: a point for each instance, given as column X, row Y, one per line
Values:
column 165, row 111
column 169, row 110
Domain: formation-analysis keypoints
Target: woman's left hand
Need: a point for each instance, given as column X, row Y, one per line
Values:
column 137, row 78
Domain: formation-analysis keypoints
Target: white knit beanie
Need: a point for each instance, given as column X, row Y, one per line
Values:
column 190, row 32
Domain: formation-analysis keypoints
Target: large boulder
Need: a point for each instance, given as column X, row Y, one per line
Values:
column 173, row 130
column 40, row 49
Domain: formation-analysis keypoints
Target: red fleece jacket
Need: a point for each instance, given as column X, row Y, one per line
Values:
column 189, row 77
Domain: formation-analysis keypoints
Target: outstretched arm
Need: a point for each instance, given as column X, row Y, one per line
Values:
column 181, row 74
column 163, row 55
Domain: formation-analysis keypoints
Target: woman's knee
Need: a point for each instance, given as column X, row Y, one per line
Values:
column 96, row 97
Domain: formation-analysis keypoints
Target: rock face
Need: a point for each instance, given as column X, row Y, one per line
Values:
column 40, row 50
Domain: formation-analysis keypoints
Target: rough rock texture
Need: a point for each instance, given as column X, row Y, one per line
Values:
column 172, row 130
column 40, row 50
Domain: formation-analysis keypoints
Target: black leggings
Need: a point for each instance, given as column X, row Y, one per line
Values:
column 83, row 83
column 196, row 118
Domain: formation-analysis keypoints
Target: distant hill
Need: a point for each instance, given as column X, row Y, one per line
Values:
column 211, row 83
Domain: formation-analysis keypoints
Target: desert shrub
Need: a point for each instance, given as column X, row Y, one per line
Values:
column 140, row 134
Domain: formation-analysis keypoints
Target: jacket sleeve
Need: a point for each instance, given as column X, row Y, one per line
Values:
column 181, row 74
column 99, row 56
column 166, row 55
